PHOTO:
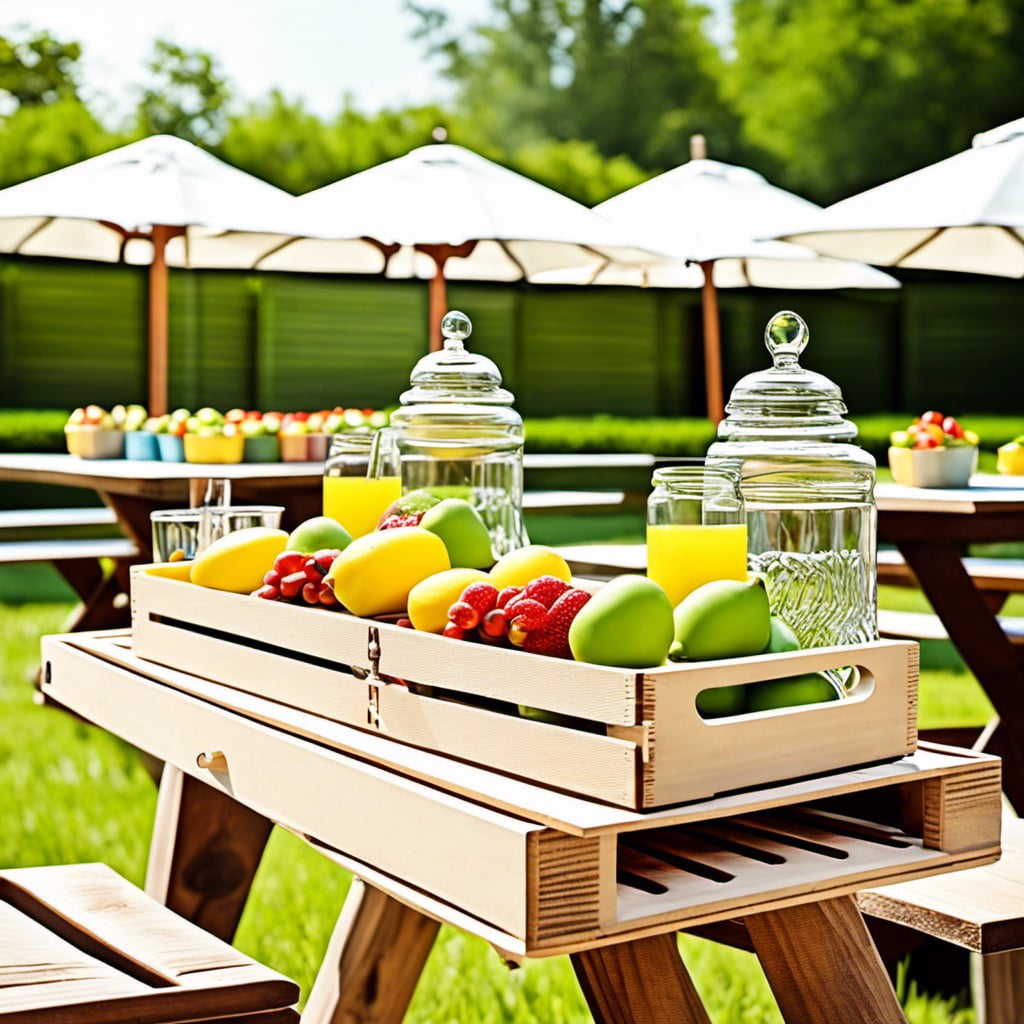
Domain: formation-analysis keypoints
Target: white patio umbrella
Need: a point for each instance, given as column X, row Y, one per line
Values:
column 964, row 213
column 709, row 215
column 154, row 202
column 442, row 211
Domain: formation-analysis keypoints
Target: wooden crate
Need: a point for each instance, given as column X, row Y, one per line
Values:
column 635, row 740
column 533, row 871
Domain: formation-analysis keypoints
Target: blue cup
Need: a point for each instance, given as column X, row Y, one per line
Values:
column 140, row 444
column 172, row 447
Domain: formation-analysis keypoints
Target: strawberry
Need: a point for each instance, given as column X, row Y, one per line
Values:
column 506, row 595
column 493, row 624
column 546, row 589
column 396, row 520
column 455, row 632
column 482, row 596
column 553, row 638
column 526, row 614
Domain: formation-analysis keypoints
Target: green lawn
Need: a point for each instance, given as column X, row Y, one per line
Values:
column 74, row 793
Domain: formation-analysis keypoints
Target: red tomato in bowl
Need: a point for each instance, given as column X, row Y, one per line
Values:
column 932, row 417
column 952, row 427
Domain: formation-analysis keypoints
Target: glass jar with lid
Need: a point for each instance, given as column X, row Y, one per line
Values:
column 808, row 492
column 457, row 435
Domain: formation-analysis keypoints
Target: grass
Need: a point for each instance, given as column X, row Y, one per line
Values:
column 75, row 793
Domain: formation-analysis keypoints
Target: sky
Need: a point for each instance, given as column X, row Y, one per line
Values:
column 318, row 50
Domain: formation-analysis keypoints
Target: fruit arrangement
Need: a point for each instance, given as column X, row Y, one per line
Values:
column 933, row 430
column 933, row 451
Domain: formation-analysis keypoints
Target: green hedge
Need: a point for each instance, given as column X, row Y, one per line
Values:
column 43, row 430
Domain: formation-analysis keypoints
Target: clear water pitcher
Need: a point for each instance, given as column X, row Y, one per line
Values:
column 458, row 435
column 808, row 491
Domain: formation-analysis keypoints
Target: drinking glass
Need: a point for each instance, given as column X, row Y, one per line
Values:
column 218, row 521
column 696, row 529
column 175, row 533
column 361, row 479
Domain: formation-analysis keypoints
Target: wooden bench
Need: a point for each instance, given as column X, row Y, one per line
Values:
column 980, row 910
column 80, row 945
column 996, row 575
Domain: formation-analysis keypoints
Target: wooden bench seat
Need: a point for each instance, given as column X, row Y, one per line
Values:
column 900, row 625
column 1001, row 575
column 46, row 550
column 55, row 518
column 80, row 945
column 981, row 910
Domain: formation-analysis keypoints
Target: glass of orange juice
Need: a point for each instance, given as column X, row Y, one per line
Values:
column 696, row 528
column 361, row 478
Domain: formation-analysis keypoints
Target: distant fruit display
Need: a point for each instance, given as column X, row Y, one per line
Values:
column 263, row 436
column 933, row 430
column 1010, row 457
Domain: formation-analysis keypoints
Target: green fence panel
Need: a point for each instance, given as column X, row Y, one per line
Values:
column 588, row 351
column 211, row 340
column 331, row 341
column 73, row 333
column 495, row 311
column 963, row 347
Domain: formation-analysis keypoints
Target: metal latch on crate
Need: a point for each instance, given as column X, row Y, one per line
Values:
column 374, row 679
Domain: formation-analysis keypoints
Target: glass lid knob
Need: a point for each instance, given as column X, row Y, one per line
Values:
column 786, row 337
column 456, row 327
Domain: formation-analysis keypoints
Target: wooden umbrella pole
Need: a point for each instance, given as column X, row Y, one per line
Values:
column 158, row 303
column 437, row 292
column 712, row 345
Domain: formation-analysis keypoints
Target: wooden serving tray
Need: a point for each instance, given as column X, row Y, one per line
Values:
column 635, row 739
column 533, row 871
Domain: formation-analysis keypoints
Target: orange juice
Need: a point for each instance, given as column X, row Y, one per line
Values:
column 681, row 558
column 357, row 502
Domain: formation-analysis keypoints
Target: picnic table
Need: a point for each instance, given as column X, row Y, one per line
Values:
column 533, row 871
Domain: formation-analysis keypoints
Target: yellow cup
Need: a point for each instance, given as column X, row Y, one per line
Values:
column 214, row 448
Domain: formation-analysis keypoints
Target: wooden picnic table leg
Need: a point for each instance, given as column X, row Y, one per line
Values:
column 374, row 959
column 642, row 981
column 984, row 647
column 204, row 853
column 822, row 965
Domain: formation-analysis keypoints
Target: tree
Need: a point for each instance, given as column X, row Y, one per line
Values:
column 634, row 77
column 37, row 70
column 846, row 94
column 188, row 96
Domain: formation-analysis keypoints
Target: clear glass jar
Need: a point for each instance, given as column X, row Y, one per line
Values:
column 808, row 492
column 696, row 531
column 361, row 479
column 457, row 435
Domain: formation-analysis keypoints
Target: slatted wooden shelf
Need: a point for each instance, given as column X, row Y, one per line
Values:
column 630, row 738
column 80, row 945
column 549, row 873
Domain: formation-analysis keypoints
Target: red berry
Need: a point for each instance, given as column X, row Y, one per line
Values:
column 507, row 594
column 546, row 589
column 482, row 596
column 395, row 520
column 289, row 561
column 465, row 616
column 405, row 623
column 325, row 558
column 311, row 593
column 493, row 623
column 272, row 578
column 313, row 571
column 553, row 639
column 527, row 614
column 952, row 427
column 932, row 417
column 268, row 593
column 326, row 595
column 293, row 583
column 455, row 632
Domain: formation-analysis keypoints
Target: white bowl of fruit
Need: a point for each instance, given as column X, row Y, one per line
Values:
column 933, row 451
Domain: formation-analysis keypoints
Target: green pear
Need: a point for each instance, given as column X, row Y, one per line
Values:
column 319, row 533
column 464, row 534
column 627, row 623
column 791, row 692
column 782, row 638
column 722, row 619
column 720, row 701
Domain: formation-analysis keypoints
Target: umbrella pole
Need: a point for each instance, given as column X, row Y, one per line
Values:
column 712, row 345
column 438, row 301
column 158, row 322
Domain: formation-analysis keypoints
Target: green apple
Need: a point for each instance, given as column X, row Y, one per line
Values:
column 627, row 623
column 318, row 533
column 252, row 428
column 464, row 533
column 791, row 692
column 722, row 619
